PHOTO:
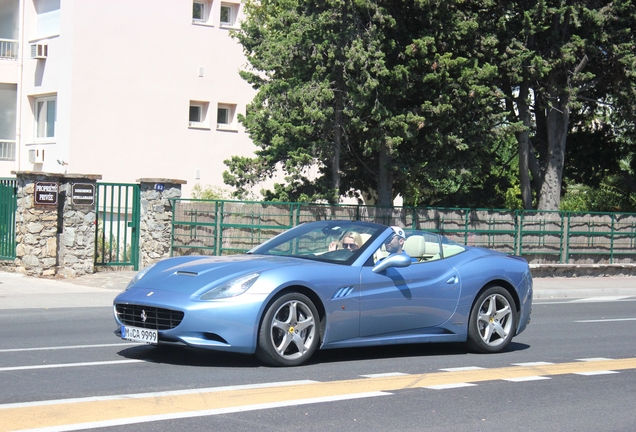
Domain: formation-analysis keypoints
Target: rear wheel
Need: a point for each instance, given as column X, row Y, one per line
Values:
column 289, row 334
column 493, row 321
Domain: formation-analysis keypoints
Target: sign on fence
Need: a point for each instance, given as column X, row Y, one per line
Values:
column 46, row 193
column 83, row 193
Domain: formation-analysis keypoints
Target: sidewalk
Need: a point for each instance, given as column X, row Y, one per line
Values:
column 98, row 290
column 581, row 287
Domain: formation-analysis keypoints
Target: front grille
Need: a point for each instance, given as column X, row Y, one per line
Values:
column 155, row 318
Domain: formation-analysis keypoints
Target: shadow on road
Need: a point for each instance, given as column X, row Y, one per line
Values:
column 186, row 356
column 193, row 357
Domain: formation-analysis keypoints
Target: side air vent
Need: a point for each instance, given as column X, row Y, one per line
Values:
column 343, row 292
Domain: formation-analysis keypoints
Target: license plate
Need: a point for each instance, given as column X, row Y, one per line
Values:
column 137, row 334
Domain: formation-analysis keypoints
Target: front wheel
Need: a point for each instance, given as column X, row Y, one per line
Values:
column 493, row 321
column 289, row 334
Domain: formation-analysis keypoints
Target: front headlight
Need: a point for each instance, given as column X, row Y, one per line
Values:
column 138, row 276
column 232, row 288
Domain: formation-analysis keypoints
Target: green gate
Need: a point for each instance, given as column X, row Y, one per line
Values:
column 8, row 206
column 117, row 233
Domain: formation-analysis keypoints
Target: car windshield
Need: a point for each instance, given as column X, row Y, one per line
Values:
column 331, row 241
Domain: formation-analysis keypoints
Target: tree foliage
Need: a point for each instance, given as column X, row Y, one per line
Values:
column 209, row 192
column 383, row 97
column 453, row 103
column 567, row 67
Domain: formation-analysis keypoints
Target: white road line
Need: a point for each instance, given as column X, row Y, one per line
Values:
column 382, row 375
column 67, row 365
column 599, row 299
column 54, row 348
column 603, row 372
column 606, row 320
column 556, row 301
column 450, row 386
column 593, row 359
column 462, row 369
column 189, row 414
column 532, row 364
column 528, row 378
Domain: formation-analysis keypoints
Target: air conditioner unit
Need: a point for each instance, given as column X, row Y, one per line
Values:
column 39, row 51
column 36, row 156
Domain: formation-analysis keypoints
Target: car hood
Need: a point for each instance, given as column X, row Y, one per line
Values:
column 190, row 274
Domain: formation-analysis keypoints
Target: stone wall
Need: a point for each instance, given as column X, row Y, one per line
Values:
column 36, row 233
column 156, row 218
column 76, row 249
column 56, row 238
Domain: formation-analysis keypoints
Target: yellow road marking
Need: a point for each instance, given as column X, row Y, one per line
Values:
column 54, row 414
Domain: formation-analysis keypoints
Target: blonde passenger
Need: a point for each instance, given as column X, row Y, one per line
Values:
column 350, row 240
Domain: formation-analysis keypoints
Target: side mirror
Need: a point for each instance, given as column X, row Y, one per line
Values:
column 398, row 260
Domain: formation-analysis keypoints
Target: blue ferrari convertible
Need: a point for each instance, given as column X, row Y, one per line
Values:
column 330, row 284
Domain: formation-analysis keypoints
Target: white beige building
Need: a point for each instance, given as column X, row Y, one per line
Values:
column 127, row 89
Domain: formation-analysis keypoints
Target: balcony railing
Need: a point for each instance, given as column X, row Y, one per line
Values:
column 7, row 150
column 8, row 49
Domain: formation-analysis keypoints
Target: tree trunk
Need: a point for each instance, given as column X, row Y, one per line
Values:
column 523, row 138
column 337, row 143
column 339, row 102
column 557, row 132
column 557, row 129
column 385, row 178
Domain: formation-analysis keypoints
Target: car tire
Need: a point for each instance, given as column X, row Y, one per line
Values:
column 493, row 321
column 289, row 332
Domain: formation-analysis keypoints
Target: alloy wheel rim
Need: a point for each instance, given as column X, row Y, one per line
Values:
column 293, row 330
column 494, row 321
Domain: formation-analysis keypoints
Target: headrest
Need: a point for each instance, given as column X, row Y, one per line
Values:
column 415, row 246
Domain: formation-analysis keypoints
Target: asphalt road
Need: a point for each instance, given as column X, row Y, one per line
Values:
column 573, row 369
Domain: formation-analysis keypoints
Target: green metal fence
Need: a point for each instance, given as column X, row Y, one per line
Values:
column 226, row 227
column 8, row 206
column 117, row 233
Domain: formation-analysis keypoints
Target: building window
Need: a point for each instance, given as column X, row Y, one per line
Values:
column 45, row 117
column 48, row 18
column 201, row 12
column 225, row 116
column 198, row 114
column 7, row 150
column 8, row 119
column 198, row 11
column 229, row 11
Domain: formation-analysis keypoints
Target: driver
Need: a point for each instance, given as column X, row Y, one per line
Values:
column 350, row 240
column 395, row 242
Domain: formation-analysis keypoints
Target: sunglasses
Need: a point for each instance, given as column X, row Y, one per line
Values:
column 349, row 245
column 390, row 239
